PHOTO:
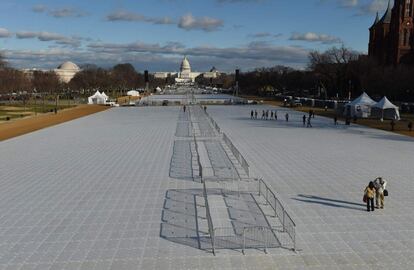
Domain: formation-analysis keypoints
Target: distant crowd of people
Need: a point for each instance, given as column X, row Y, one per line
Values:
column 272, row 115
column 306, row 120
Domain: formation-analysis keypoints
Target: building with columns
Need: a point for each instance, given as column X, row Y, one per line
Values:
column 186, row 75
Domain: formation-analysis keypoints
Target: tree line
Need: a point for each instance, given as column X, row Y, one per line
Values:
column 334, row 73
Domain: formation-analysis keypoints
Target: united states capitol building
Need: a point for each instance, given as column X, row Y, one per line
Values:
column 186, row 75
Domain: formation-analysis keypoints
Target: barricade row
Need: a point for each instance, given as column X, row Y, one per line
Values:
column 237, row 154
column 249, row 236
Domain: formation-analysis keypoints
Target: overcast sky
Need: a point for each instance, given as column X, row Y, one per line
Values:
column 155, row 34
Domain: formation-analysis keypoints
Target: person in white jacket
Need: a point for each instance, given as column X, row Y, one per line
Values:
column 380, row 185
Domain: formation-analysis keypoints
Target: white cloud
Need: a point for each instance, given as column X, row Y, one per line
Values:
column 314, row 37
column 48, row 36
column 348, row 3
column 189, row 22
column 4, row 33
column 265, row 35
column 64, row 12
column 240, row 1
column 39, row 8
column 373, row 7
column 67, row 12
column 122, row 15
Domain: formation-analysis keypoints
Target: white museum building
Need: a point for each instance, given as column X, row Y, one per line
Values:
column 65, row 71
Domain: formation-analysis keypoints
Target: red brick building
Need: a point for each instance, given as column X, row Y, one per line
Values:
column 391, row 37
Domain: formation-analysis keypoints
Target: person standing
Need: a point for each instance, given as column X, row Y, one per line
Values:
column 309, row 123
column 184, row 108
column 263, row 115
column 271, row 115
column 276, row 115
column 392, row 125
column 370, row 193
column 379, row 185
column 336, row 120
column 251, row 114
column 255, row 114
column 287, row 117
column 304, row 120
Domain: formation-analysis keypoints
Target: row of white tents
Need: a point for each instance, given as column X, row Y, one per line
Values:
column 98, row 98
column 364, row 107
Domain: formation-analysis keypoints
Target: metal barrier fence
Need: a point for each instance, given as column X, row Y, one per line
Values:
column 257, row 237
column 287, row 223
column 248, row 236
column 209, row 220
column 237, row 154
column 215, row 125
column 200, row 167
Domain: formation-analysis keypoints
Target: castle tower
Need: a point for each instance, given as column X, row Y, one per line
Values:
column 379, row 40
column 372, row 38
column 401, row 32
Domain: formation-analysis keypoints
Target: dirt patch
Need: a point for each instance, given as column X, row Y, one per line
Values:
column 20, row 113
column 11, row 108
column 22, row 126
column 126, row 99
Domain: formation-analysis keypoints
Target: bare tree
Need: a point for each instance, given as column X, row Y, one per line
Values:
column 3, row 62
column 331, row 68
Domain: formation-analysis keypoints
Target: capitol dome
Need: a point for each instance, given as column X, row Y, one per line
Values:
column 185, row 65
column 68, row 66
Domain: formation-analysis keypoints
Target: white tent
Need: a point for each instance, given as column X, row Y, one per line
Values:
column 360, row 107
column 96, row 98
column 384, row 109
column 105, row 96
column 133, row 93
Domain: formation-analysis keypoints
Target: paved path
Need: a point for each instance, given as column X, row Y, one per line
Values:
column 320, row 174
column 95, row 193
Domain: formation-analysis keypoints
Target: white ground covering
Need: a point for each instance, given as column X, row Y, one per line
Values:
column 90, row 193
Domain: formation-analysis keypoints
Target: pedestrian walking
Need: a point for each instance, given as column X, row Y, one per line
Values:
column 309, row 123
column 287, row 117
column 347, row 121
column 263, row 115
column 276, row 115
column 369, row 196
column 392, row 125
column 271, row 115
column 410, row 126
column 267, row 114
column 255, row 114
column 336, row 120
column 251, row 114
column 205, row 108
column 304, row 120
column 379, row 184
column 184, row 108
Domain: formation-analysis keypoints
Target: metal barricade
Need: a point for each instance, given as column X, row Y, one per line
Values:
column 208, row 217
column 287, row 222
column 237, row 154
